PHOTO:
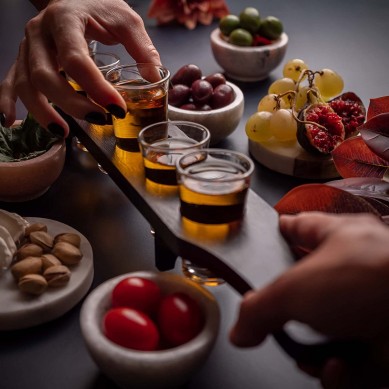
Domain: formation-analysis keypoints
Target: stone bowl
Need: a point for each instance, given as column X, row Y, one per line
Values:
column 247, row 63
column 31, row 178
column 220, row 122
column 167, row 368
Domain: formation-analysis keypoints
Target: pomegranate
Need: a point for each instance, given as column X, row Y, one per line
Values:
column 352, row 111
column 324, row 137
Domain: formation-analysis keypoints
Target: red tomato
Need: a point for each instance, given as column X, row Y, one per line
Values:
column 180, row 318
column 131, row 328
column 136, row 292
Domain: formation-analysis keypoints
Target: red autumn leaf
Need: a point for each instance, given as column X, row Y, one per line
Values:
column 363, row 186
column 371, row 189
column 377, row 106
column 324, row 198
column 353, row 158
column 375, row 132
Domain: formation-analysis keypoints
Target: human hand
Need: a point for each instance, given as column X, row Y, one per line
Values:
column 340, row 288
column 56, row 39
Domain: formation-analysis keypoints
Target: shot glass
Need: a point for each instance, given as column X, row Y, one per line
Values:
column 162, row 144
column 213, row 186
column 144, row 87
column 104, row 62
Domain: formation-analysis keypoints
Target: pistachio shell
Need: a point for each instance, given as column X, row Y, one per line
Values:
column 29, row 265
column 57, row 276
column 29, row 250
column 67, row 253
column 69, row 237
column 35, row 227
column 43, row 239
column 33, row 284
column 49, row 260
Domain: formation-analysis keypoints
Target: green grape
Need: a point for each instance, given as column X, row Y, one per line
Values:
column 258, row 126
column 283, row 125
column 301, row 97
column 268, row 103
column 281, row 85
column 293, row 68
column 329, row 83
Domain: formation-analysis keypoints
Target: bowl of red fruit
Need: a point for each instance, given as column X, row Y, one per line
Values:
column 209, row 100
column 149, row 329
column 249, row 46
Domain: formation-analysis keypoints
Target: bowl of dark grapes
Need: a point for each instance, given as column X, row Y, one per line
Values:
column 207, row 99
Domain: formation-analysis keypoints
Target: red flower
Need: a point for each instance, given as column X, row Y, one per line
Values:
column 187, row 12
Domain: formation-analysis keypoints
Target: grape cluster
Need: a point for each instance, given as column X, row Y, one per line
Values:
column 191, row 91
column 277, row 112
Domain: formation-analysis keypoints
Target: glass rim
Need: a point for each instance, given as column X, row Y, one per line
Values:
column 246, row 174
column 106, row 53
column 143, row 143
column 135, row 65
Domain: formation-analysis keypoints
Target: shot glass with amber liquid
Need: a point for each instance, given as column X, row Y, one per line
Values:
column 161, row 145
column 144, row 88
column 213, row 187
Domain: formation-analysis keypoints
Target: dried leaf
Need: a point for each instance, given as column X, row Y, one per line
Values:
column 353, row 158
column 375, row 132
column 324, row 198
column 363, row 186
column 377, row 106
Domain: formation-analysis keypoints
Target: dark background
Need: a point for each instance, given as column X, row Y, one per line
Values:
column 347, row 36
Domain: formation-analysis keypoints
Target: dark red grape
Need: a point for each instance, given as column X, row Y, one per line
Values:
column 189, row 107
column 179, row 95
column 201, row 91
column 216, row 79
column 186, row 75
column 222, row 96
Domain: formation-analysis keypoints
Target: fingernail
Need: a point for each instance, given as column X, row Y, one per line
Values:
column 96, row 118
column 2, row 119
column 117, row 111
column 56, row 129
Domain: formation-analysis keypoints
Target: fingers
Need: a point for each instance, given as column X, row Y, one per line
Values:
column 35, row 102
column 67, row 35
column 8, row 99
column 260, row 314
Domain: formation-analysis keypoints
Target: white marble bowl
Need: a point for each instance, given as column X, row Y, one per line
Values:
column 29, row 179
column 248, row 63
column 220, row 122
column 167, row 368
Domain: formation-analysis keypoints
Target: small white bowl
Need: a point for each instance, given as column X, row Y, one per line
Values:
column 247, row 63
column 168, row 368
column 31, row 178
column 220, row 122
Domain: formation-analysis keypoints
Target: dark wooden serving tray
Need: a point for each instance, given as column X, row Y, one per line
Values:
column 251, row 257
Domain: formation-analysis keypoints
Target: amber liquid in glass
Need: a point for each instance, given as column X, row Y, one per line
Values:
column 160, row 166
column 144, row 107
column 210, row 203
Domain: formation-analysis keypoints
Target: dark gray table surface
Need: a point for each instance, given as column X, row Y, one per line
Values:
column 349, row 37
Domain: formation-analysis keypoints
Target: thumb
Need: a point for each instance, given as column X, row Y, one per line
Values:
column 260, row 314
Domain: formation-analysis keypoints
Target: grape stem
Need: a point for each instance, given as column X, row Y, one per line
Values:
column 312, row 90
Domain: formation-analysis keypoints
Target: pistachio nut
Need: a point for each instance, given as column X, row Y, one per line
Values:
column 49, row 260
column 29, row 265
column 32, row 284
column 69, row 237
column 29, row 250
column 57, row 276
column 67, row 253
column 43, row 239
column 35, row 227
